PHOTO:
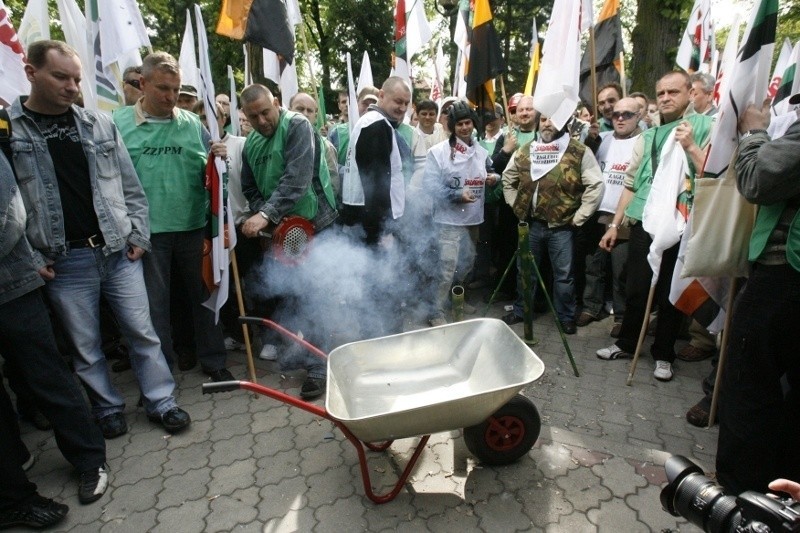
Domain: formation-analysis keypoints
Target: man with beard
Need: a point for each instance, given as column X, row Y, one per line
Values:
column 692, row 132
column 554, row 183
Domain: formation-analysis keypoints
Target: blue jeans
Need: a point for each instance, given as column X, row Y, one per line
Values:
column 557, row 242
column 184, row 251
column 81, row 277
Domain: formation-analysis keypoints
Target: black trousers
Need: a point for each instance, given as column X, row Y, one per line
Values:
column 759, row 403
column 26, row 338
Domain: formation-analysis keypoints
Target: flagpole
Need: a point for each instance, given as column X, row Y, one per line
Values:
column 310, row 65
column 622, row 79
column 642, row 332
column 723, row 346
column 503, row 92
column 593, row 73
column 251, row 368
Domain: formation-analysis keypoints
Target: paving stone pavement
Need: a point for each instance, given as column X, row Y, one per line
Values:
column 254, row 464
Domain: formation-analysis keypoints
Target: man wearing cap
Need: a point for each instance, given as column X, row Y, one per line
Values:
column 692, row 133
column 187, row 97
column 555, row 184
column 455, row 177
column 169, row 149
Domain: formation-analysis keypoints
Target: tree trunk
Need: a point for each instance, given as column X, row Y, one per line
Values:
column 655, row 41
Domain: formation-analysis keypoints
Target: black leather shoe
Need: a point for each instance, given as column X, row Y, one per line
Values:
column 221, row 374
column 113, row 425
column 174, row 420
column 187, row 360
column 512, row 318
column 569, row 327
column 312, row 388
column 37, row 512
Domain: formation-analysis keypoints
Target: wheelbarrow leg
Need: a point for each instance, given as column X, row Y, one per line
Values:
column 362, row 460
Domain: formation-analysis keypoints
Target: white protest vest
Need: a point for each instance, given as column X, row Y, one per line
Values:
column 544, row 158
column 467, row 169
column 352, row 189
column 614, row 156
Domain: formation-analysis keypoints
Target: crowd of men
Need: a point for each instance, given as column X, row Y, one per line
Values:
column 114, row 210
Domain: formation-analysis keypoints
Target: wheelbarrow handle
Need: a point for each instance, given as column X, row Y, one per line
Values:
column 221, row 386
column 283, row 331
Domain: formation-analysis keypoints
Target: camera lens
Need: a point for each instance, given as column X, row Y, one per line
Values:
column 704, row 503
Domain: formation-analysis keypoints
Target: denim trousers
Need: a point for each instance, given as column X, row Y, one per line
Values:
column 182, row 250
column 26, row 338
column 456, row 258
column 558, row 244
column 759, row 402
column 82, row 276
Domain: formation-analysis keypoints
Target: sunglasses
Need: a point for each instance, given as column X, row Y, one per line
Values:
column 133, row 83
column 624, row 115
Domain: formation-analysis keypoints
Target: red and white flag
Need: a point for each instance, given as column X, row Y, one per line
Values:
column 12, row 60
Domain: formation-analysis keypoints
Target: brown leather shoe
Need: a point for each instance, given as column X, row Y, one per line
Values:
column 698, row 416
column 584, row 319
column 691, row 354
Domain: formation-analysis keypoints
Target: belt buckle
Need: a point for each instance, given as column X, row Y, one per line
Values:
column 91, row 242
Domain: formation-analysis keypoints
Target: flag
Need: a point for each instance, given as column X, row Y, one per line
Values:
column 276, row 67
column 261, row 22
column 728, row 60
column 703, row 299
column 399, row 54
column 187, row 59
column 122, row 30
column 439, row 69
column 534, row 68
column 694, row 48
column 365, row 76
column 322, row 113
column 485, row 58
column 106, row 75
column 352, row 100
column 12, row 60
column 607, row 49
column 587, row 15
column 780, row 66
column 236, row 128
column 35, row 25
column 73, row 22
column 665, row 212
column 556, row 93
column 462, row 38
column 216, row 183
column 789, row 85
column 747, row 84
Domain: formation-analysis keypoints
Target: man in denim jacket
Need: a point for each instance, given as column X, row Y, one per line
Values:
column 26, row 339
column 88, row 225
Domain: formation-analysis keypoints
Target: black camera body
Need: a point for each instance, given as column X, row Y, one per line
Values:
column 692, row 495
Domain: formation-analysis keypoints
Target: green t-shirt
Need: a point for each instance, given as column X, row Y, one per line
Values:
column 170, row 160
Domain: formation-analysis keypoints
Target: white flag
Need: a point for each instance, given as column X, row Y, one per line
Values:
column 780, row 66
column 122, row 29
column 35, row 25
column 236, row 128
column 187, row 59
column 418, row 31
column 697, row 34
column 106, row 75
column 556, row 93
column 12, row 66
column 73, row 22
column 365, row 76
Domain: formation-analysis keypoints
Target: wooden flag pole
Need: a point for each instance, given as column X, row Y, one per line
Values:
column 251, row 368
column 622, row 79
column 593, row 73
column 503, row 92
column 310, row 66
column 642, row 333
column 723, row 345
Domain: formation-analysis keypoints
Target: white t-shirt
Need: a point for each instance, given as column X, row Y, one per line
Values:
column 614, row 156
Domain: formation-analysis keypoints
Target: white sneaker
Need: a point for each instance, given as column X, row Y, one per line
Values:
column 269, row 352
column 611, row 353
column 233, row 344
column 663, row 371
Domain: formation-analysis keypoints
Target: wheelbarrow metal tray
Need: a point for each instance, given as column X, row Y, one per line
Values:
column 427, row 381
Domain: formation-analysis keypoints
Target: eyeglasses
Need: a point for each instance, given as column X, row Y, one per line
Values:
column 624, row 115
column 133, row 83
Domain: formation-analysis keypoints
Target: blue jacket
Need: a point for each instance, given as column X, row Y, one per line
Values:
column 119, row 201
column 18, row 276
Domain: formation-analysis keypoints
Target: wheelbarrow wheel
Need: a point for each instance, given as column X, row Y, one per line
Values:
column 507, row 435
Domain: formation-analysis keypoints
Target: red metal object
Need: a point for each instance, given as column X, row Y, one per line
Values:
column 323, row 413
column 291, row 239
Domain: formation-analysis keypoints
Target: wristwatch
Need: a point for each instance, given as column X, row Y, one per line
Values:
column 748, row 133
column 612, row 225
column 263, row 215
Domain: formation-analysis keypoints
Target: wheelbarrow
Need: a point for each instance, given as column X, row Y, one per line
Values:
column 462, row 375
